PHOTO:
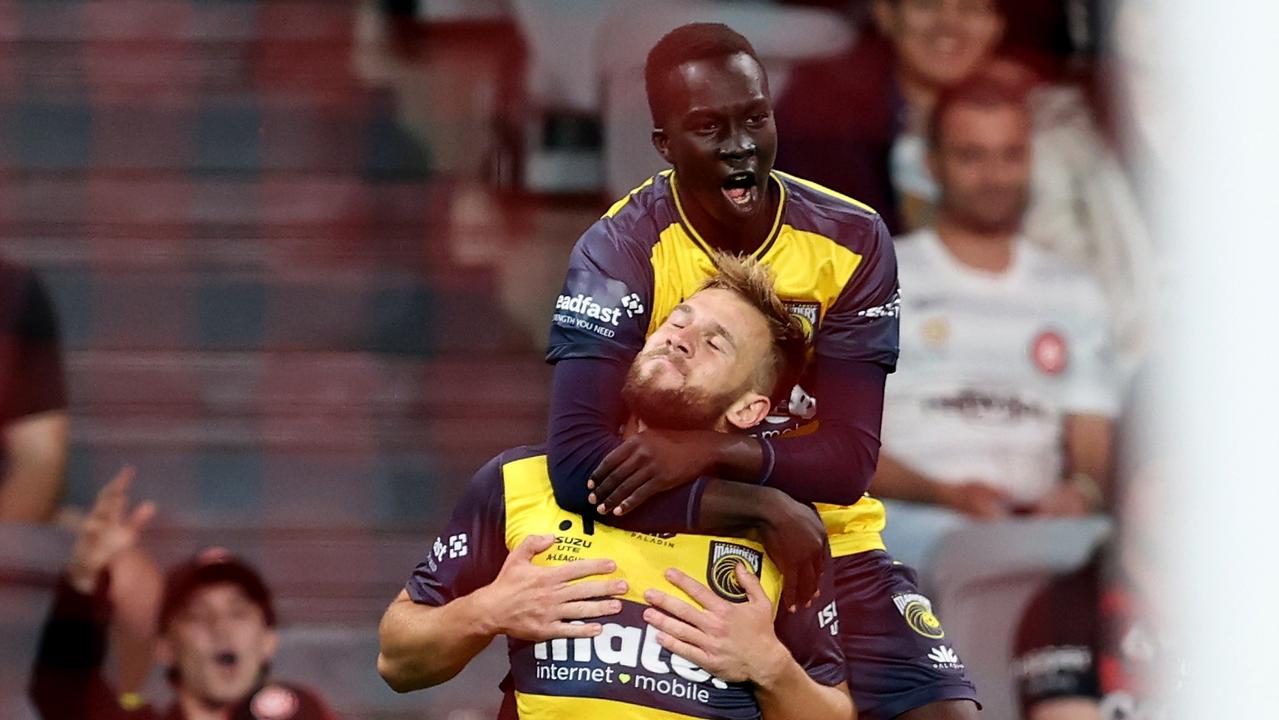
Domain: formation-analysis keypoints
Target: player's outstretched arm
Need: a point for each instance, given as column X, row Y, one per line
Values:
column 736, row 642
column 424, row 645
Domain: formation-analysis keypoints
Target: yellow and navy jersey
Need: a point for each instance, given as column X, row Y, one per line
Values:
column 623, row 673
column 834, row 266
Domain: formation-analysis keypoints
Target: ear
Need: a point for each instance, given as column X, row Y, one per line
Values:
column 748, row 411
column 662, row 144
column 885, row 16
column 270, row 643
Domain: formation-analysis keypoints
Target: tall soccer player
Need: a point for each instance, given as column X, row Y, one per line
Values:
column 589, row 634
column 835, row 269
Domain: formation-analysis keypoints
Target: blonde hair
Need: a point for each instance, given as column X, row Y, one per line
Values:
column 752, row 281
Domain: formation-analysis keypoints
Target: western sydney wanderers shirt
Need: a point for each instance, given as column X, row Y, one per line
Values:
column 832, row 261
column 992, row 363
column 623, row 674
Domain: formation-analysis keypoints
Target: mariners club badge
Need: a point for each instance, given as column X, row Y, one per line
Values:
column 918, row 611
column 720, row 575
column 808, row 313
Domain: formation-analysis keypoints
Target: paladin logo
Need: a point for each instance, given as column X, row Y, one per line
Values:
column 944, row 657
column 724, row 557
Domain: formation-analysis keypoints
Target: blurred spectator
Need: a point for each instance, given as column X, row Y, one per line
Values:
column 1003, row 398
column 32, row 400
column 1089, row 645
column 216, row 622
column 857, row 123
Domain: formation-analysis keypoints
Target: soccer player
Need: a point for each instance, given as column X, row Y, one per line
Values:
column 606, row 645
column 217, row 633
column 835, row 269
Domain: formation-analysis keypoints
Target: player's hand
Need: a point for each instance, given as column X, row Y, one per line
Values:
column 796, row 540
column 535, row 603
column 1063, row 501
column 648, row 463
column 734, row 642
column 109, row 529
column 977, row 499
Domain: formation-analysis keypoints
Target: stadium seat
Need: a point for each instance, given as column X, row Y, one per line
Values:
column 981, row 580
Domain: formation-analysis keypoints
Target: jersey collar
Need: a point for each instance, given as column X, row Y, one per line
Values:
column 705, row 247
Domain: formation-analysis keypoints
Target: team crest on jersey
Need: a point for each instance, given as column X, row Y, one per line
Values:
column 809, row 314
column 918, row 611
column 724, row 557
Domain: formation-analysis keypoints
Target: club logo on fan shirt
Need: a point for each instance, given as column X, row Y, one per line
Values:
column 1049, row 352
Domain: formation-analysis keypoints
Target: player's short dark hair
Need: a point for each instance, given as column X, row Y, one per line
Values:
column 985, row 89
column 687, row 43
column 754, row 283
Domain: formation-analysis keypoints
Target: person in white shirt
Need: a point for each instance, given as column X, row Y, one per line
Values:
column 1006, row 388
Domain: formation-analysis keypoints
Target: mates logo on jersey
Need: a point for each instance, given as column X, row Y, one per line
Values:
column 724, row 557
column 624, row 655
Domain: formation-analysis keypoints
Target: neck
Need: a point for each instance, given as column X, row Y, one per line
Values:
column 742, row 239
column 991, row 251
column 194, row 708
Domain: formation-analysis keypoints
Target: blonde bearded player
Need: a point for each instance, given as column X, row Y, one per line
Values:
column 584, row 635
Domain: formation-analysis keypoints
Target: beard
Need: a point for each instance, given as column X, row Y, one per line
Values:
column 681, row 408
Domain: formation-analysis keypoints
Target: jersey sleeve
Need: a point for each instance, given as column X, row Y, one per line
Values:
column 812, row 634
column 1056, row 644
column 603, row 310
column 469, row 553
column 863, row 322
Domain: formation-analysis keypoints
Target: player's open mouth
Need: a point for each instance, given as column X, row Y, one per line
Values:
column 741, row 189
column 226, row 659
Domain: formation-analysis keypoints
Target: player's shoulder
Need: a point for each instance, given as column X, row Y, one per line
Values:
column 495, row 468
column 486, row 491
column 643, row 212
column 632, row 226
column 818, row 209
